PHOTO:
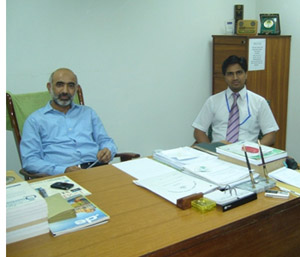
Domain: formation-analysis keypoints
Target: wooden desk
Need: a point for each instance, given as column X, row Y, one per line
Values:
column 145, row 224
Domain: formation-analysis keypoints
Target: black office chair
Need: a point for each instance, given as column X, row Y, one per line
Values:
column 20, row 106
column 209, row 134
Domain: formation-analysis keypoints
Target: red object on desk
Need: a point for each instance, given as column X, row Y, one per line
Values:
column 250, row 149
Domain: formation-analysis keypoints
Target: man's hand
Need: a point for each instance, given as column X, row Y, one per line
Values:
column 72, row 168
column 104, row 155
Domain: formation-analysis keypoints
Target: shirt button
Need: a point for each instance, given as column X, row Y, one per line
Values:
column 70, row 129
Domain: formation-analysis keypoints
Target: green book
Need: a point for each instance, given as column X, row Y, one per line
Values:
column 208, row 147
column 59, row 208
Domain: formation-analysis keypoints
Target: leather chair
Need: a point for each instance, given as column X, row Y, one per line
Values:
column 20, row 106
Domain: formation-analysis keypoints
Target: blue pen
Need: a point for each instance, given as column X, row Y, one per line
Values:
column 92, row 164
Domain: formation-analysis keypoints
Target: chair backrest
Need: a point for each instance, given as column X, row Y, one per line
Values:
column 20, row 106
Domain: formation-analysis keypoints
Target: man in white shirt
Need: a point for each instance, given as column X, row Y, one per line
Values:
column 254, row 113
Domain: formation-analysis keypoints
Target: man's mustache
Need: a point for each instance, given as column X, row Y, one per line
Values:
column 64, row 95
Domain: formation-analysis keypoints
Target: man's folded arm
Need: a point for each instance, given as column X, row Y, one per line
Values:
column 101, row 137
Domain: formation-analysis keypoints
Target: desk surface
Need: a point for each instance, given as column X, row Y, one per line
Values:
column 143, row 223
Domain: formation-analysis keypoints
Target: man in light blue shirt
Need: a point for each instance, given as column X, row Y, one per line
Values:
column 62, row 136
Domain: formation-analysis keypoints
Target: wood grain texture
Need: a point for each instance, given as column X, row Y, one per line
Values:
column 144, row 224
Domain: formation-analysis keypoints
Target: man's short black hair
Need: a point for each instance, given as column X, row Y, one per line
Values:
column 233, row 59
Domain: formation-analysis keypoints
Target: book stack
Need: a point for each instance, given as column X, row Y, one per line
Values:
column 26, row 212
column 274, row 158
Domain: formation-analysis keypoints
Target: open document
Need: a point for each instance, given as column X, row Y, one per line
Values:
column 163, row 180
column 219, row 172
column 175, row 185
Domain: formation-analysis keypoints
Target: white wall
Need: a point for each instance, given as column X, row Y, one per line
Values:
column 145, row 66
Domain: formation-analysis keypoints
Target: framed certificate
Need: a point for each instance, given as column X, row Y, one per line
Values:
column 270, row 24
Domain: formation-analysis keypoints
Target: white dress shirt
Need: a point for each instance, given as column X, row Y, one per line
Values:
column 254, row 110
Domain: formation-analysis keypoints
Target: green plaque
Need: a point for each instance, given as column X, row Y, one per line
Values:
column 269, row 24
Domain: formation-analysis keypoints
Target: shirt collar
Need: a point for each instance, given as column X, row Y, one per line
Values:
column 242, row 92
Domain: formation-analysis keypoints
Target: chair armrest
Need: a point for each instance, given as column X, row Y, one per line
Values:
column 127, row 156
column 28, row 176
column 123, row 157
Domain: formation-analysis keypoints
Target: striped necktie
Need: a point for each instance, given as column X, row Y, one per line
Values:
column 233, row 121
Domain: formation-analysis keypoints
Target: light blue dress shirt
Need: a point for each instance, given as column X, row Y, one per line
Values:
column 52, row 141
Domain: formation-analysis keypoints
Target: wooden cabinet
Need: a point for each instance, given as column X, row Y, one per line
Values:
column 271, row 83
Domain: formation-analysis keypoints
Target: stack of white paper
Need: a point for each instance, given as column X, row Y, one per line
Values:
column 286, row 175
column 26, row 212
column 182, row 156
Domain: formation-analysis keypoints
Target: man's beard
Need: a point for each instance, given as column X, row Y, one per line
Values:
column 57, row 99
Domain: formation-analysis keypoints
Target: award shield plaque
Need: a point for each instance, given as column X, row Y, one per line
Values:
column 269, row 24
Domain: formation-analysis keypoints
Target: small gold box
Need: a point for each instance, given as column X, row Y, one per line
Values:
column 204, row 204
column 247, row 27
